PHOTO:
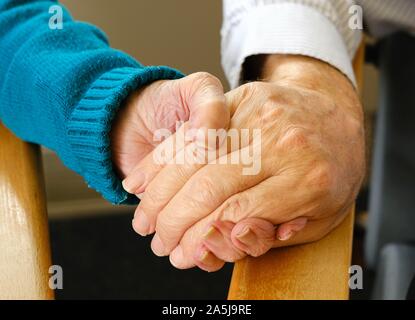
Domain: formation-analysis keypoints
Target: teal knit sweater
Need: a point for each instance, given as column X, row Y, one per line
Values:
column 61, row 88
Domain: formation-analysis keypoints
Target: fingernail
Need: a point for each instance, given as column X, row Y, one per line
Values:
column 245, row 231
column 214, row 238
column 285, row 236
column 211, row 233
column 126, row 185
column 134, row 183
column 158, row 247
column 141, row 223
column 247, row 237
column 140, row 195
column 176, row 256
column 206, row 257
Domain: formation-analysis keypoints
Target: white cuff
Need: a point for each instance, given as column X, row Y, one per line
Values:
column 284, row 28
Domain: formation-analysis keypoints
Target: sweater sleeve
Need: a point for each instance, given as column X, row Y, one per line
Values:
column 62, row 87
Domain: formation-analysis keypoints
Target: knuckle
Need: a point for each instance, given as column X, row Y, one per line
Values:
column 206, row 78
column 355, row 127
column 252, row 87
column 167, row 231
column 202, row 75
column 293, row 138
column 270, row 111
column 152, row 198
column 204, row 191
column 261, row 247
column 320, row 177
column 234, row 209
column 183, row 172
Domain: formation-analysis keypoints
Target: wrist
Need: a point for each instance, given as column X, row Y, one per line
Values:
column 311, row 74
column 302, row 71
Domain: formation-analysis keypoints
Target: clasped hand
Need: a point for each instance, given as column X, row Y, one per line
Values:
column 302, row 126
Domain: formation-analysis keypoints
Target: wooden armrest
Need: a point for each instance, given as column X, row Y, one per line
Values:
column 318, row 270
column 24, row 239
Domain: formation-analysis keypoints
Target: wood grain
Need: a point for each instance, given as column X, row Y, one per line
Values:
column 24, row 238
column 318, row 270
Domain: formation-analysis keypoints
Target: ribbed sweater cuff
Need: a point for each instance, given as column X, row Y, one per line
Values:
column 90, row 124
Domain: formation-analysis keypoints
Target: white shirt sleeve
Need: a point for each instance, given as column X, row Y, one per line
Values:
column 315, row 28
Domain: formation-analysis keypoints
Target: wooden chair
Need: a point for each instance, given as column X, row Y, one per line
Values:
column 318, row 270
column 312, row 271
column 24, row 243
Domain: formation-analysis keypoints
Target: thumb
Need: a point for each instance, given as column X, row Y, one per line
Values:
column 253, row 236
column 203, row 95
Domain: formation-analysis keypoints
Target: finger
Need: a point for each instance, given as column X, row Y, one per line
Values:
column 189, row 253
column 256, row 236
column 218, row 240
column 257, row 241
column 253, row 236
column 204, row 95
column 287, row 230
column 234, row 97
column 313, row 230
column 174, row 175
column 158, row 193
column 146, row 169
column 207, row 261
column 261, row 201
column 272, row 201
column 200, row 196
column 165, row 185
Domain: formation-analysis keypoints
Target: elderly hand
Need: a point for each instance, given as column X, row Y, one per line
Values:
column 312, row 164
column 197, row 100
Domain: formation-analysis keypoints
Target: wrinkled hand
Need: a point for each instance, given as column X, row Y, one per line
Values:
column 197, row 100
column 312, row 163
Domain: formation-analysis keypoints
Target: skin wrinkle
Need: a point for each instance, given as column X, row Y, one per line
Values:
column 144, row 120
column 166, row 114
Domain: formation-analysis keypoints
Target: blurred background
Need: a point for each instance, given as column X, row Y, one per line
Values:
column 92, row 240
